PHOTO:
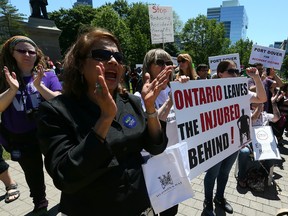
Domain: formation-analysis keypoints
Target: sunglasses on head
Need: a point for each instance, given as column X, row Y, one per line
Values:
column 22, row 51
column 161, row 62
column 182, row 60
column 232, row 71
column 106, row 55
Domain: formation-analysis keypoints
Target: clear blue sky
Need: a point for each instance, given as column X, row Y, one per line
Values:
column 267, row 19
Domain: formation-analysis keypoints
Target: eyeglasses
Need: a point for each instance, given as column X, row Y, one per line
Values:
column 181, row 61
column 204, row 70
column 232, row 71
column 161, row 62
column 22, row 51
column 106, row 55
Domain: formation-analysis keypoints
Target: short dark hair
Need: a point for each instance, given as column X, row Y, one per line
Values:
column 223, row 65
column 258, row 64
column 200, row 66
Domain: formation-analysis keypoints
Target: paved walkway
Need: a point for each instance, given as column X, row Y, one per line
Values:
column 244, row 202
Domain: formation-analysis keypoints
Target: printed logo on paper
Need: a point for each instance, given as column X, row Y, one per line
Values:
column 166, row 180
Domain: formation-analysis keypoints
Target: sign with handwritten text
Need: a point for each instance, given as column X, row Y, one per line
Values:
column 161, row 24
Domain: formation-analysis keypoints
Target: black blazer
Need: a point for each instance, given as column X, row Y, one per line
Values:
column 96, row 178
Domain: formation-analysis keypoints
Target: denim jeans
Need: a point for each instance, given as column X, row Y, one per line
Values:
column 221, row 172
column 245, row 162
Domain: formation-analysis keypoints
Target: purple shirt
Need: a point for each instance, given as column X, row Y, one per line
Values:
column 14, row 118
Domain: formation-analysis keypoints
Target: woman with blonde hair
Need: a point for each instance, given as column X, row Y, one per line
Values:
column 185, row 66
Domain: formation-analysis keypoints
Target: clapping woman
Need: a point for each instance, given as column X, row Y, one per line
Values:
column 92, row 136
column 23, row 85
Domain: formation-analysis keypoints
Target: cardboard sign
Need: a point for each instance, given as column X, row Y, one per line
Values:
column 264, row 143
column 213, row 117
column 269, row 57
column 161, row 24
column 215, row 60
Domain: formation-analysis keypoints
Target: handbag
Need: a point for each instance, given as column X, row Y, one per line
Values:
column 166, row 177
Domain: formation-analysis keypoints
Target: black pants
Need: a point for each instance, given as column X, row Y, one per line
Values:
column 170, row 212
column 32, row 164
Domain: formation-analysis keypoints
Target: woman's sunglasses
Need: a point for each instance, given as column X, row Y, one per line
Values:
column 106, row 55
column 181, row 61
column 22, row 51
column 161, row 62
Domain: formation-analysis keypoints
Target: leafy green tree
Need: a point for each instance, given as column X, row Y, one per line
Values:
column 243, row 47
column 121, row 7
column 71, row 21
column 11, row 21
column 178, row 24
column 109, row 19
column 203, row 38
column 129, row 22
column 138, row 23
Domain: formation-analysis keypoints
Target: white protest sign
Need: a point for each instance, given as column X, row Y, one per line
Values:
column 264, row 143
column 139, row 66
column 215, row 60
column 269, row 57
column 161, row 24
column 213, row 117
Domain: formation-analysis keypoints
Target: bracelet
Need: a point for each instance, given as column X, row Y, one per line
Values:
column 152, row 115
column 103, row 140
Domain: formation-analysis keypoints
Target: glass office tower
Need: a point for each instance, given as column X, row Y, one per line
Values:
column 85, row 2
column 234, row 18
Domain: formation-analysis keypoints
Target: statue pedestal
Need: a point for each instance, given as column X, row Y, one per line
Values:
column 46, row 35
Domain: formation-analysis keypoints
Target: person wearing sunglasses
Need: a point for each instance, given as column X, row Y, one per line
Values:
column 186, row 66
column 157, row 61
column 220, row 171
column 23, row 86
column 93, row 134
column 202, row 71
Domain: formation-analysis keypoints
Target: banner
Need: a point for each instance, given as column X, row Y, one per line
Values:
column 215, row 60
column 269, row 57
column 161, row 24
column 213, row 117
column 264, row 143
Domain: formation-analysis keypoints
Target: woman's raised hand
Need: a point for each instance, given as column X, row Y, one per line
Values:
column 151, row 89
column 102, row 95
column 38, row 74
column 11, row 79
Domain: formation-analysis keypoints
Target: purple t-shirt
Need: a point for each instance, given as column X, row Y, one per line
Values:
column 14, row 118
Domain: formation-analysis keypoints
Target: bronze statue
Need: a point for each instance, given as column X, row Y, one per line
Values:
column 38, row 7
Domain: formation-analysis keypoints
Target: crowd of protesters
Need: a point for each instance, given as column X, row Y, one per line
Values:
column 94, row 153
